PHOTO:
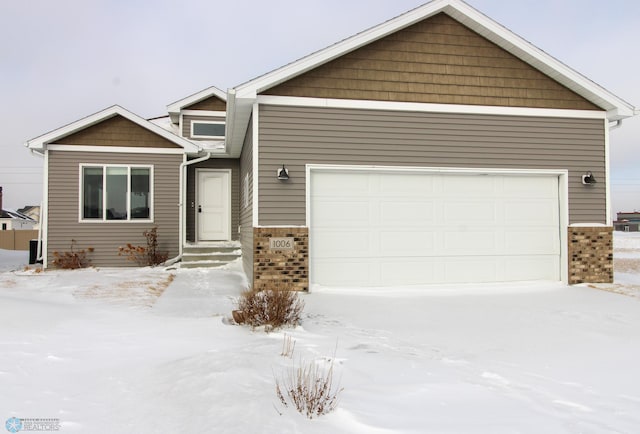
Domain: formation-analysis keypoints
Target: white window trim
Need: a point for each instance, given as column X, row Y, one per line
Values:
column 195, row 121
column 81, row 219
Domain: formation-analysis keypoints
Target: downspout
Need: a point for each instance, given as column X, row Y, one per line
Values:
column 616, row 125
column 42, row 215
column 182, row 216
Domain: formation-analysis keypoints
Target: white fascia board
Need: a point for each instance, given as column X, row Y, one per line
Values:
column 42, row 141
column 471, row 18
column 427, row 107
column 175, row 107
column 238, row 115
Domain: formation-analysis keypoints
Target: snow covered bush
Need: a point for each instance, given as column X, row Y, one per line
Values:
column 270, row 308
column 309, row 388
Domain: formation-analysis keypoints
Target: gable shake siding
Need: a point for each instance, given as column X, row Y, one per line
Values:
column 246, row 212
column 117, row 131
column 211, row 104
column 437, row 60
column 214, row 163
column 106, row 237
column 297, row 136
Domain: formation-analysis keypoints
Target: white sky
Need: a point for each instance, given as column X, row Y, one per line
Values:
column 63, row 60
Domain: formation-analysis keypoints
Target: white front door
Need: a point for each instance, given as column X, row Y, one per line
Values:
column 213, row 210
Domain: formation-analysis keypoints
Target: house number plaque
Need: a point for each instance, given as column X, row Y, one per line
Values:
column 281, row 243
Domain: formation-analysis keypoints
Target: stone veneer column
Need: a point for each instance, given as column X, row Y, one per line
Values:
column 590, row 254
column 281, row 269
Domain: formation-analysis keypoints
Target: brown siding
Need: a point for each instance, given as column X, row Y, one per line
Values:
column 117, row 131
column 191, row 203
column 437, row 60
column 212, row 104
column 296, row 136
column 186, row 123
column 246, row 213
column 105, row 237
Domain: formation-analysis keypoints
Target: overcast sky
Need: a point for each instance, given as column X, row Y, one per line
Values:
column 62, row 60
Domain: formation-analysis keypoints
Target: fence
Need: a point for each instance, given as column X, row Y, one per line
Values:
column 17, row 239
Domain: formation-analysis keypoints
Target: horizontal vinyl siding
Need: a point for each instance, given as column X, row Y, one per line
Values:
column 106, row 237
column 296, row 136
column 191, row 194
column 186, row 123
column 246, row 213
column 211, row 104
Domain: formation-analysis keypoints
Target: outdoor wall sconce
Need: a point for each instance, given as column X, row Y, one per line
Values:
column 588, row 179
column 283, row 173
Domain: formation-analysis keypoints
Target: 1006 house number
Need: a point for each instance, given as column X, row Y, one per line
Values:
column 281, row 243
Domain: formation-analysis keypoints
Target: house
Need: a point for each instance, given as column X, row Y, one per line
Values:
column 359, row 164
column 14, row 220
column 627, row 222
column 31, row 211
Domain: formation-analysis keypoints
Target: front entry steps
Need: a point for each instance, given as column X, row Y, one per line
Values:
column 214, row 254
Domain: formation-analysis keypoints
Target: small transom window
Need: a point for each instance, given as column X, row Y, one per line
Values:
column 207, row 129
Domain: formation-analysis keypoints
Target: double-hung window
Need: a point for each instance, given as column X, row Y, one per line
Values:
column 116, row 192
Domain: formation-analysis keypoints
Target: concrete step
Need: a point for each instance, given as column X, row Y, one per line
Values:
column 210, row 255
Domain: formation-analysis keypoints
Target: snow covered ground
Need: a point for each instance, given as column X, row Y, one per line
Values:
column 153, row 351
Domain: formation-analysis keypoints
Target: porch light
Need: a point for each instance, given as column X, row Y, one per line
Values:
column 283, row 173
column 588, row 179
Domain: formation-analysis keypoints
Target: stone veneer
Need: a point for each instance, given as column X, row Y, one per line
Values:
column 590, row 254
column 281, row 269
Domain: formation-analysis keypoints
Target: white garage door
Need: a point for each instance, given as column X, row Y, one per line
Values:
column 405, row 228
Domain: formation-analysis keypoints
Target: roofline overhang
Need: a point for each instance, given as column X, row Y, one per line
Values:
column 615, row 107
column 39, row 143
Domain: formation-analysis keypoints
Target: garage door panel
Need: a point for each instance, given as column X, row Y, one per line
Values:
column 397, row 212
column 374, row 228
column 474, row 210
column 407, row 243
column 531, row 242
column 342, row 244
column 468, row 242
column 532, row 212
column 332, row 213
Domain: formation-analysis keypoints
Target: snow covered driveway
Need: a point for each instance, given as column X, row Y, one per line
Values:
column 98, row 350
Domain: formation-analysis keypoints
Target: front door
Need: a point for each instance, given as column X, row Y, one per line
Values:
column 213, row 210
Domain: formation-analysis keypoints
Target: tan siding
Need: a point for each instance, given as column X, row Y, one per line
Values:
column 435, row 61
column 246, row 213
column 298, row 136
column 192, row 204
column 212, row 104
column 105, row 237
column 186, row 123
column 117, row 131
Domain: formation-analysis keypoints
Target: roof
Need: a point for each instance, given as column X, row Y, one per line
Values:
column 40, row 143
column 242, row 97
column 175, row 107
column 11, row 214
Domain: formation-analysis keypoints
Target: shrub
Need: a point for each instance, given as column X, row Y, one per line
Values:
column 309, row 388
column 270, row 308
column 72, row 259
column 148, row 255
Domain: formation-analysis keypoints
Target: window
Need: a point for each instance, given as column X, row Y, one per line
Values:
column 207, row 129
column 115, row 192
column 4, row 226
